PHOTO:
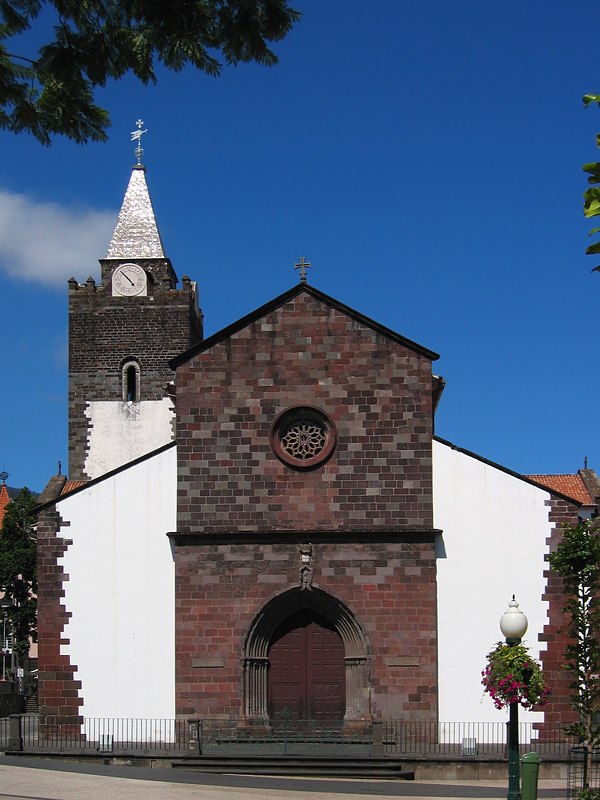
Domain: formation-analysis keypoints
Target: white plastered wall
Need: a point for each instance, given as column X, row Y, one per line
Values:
column 120, row 590
column 121, row 432
column 495, row 530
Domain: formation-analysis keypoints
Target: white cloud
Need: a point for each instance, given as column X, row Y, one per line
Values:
column 50, row 243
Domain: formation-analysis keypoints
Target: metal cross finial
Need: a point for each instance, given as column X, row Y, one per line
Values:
column 302, row 265
column 136, row 136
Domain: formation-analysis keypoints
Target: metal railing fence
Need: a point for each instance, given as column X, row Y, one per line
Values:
column 583, row 771
column 280, row 736
column 466, row 739
column 99, row 735
column 180, row 737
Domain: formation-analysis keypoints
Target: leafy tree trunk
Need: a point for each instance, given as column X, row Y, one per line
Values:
column 18, row 574
column 577, row 561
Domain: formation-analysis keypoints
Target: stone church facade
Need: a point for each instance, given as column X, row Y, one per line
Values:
column 263, row 521
column 359, row 509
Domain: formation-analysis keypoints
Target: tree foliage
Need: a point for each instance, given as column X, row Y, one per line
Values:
column 18, row 570
column 52, row 91
column 591, row 197
column 577, row 561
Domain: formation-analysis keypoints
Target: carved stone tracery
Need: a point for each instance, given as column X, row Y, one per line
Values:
column 303, row 437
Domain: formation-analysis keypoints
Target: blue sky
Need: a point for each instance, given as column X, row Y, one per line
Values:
column 425, row 158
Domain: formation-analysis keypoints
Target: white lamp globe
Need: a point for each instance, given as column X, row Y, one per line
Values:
column 513, row 622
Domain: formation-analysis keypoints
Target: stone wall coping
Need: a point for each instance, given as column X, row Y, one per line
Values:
column 360, row 536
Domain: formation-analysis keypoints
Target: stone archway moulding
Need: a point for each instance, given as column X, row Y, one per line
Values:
column 256, row 650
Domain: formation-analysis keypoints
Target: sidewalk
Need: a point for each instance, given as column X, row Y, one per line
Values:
column 36, row 779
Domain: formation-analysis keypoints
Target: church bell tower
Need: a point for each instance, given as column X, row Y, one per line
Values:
column 122, row 334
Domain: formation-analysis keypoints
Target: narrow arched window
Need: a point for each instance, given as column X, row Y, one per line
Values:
column 131, row 382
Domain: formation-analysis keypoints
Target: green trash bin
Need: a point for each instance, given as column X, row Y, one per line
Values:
column 530, row 768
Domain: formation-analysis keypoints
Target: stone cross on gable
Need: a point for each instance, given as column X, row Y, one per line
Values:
column 302, row 265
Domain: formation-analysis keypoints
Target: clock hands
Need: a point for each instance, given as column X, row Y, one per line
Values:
column 129, row 280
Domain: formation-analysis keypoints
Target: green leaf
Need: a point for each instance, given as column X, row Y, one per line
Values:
column 591, row 209
column 52, row 91
column 591, row 203
column 588, row 99
column 593, row 169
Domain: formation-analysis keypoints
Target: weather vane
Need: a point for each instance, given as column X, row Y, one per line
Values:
column 136, row 136
column 302, row 265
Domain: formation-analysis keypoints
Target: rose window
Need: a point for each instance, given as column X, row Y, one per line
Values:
column 303, row 437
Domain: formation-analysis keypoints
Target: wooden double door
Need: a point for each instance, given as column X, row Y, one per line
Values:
column 307, row 671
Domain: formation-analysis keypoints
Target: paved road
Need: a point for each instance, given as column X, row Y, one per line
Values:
column 37, row 779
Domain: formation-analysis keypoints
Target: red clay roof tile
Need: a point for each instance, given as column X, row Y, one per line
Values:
column 70, row 485
column 569, row 485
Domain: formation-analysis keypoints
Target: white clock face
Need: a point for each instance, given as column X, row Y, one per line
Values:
column 129, row 280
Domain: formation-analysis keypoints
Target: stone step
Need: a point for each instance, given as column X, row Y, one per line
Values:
column 32, row 705
column 338, row 767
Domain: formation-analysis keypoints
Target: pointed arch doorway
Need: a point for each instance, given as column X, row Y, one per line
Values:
column 306, row 677
column 326, row 617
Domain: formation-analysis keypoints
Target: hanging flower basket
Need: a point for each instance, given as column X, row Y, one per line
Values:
column 513, row 676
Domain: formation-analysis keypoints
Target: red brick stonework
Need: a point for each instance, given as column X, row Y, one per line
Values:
column 58, row 689
column 555, row 633
column 366, row 510
column 376, row 391
column 388, row 625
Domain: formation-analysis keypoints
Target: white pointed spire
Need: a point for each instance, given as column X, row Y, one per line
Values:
column 136, row 234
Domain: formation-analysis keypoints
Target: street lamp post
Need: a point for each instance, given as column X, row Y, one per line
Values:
column 513, row 625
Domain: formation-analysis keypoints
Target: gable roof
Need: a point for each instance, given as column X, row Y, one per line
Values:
column 530, row 479
column 67, row 488
column 279, row 301
column 71, row 485
column 571, row 486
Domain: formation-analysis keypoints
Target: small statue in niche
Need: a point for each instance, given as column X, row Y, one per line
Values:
column 306, row 566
